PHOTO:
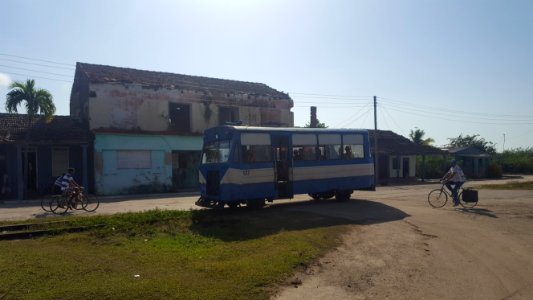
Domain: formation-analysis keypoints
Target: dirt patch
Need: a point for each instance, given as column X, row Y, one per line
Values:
column 481, row 253
column 390, row 254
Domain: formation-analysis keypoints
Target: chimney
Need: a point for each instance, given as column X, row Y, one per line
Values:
column 314, row 120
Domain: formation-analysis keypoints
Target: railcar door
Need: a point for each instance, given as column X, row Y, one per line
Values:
column 282, row 166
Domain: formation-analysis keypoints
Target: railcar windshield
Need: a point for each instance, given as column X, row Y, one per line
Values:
column 216, row 152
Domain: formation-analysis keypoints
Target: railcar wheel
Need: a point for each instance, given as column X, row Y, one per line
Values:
column 342, row 195
column 322, row 196
column 327, row 195
column 315, row 196
column 255, row 203
column 233, row 205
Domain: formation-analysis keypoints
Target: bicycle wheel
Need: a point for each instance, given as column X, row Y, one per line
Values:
column 464, row 204
column 437, row 198
column 90, row 203
column 45, row 203
column 77, row 203
column 59, row 205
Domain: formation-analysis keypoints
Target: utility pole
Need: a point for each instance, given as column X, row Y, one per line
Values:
column 503, row 146
column 376, row 158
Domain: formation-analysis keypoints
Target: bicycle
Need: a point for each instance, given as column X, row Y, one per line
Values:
column 46, row 200
column 76, row 199
column 438, row 197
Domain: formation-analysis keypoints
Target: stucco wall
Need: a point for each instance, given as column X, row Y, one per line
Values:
column 109, row 179
column 394, row 173
column 134, row 107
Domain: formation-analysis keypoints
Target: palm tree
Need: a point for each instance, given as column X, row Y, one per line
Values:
column 37, row 102
column 417, row 136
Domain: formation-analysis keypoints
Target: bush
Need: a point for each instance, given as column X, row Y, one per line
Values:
column 494, row 170
column 434, row 166
column 517, row 161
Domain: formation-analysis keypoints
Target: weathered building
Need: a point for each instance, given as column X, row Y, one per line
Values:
column 51, row 148
column 397, row 156
column 148, row 125
column 473, row 161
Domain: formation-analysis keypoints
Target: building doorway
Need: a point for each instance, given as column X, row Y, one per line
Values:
column 185, row 170
column 405, row 167
column 31, row 183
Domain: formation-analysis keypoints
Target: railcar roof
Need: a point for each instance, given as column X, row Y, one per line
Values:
column 291, row 129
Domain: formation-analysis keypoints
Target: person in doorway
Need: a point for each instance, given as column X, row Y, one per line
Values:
column 65, row 182
column 454, row 179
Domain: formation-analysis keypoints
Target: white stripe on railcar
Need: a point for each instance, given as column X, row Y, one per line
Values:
column 264, row 175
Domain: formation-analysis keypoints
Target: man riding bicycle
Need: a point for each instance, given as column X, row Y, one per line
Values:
column 65, row 182
column 454, row 179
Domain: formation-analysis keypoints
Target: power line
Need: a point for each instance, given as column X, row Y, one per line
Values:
column 333, row 96
column 383, row 118
column 434, row 116
column 34, row 76
column 391, row 117
column 352, row 118
column 36, row 64
column 31, row 70
column 319, row 102
column 35, row 59
column 459, row 115
column 446, row 109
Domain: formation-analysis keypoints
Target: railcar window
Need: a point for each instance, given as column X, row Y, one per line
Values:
column 216, row 152
column 304, row 147
column 304, row 153
column 255, row 147
column 256, row 153
column 353, row 146
column 330, row 146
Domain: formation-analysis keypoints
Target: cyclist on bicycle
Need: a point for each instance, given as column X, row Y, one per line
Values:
column 454, row 179
column 66, row 182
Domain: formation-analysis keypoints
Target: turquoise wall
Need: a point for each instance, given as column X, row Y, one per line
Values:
column 110, row 180
column 146, row 142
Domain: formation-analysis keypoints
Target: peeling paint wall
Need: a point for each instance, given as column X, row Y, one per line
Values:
column 134, row 107
column 110, row 179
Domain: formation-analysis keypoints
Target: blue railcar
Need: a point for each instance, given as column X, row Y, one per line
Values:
column 251, row 165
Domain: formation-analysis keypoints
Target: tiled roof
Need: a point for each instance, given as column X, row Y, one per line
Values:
column 392, row 143
column 14, row 127
column 109, row 74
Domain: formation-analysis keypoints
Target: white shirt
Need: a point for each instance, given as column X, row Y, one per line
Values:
column 458, row 176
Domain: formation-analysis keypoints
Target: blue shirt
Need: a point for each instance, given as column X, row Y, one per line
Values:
column 64, row 181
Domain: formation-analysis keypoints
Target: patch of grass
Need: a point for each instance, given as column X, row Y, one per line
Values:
column 206, row 254
column 528, row 185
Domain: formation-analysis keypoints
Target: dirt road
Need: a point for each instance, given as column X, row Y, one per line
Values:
column 399, row 247
column 446, row 253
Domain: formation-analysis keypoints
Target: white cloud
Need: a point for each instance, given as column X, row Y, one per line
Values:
column 5, row 80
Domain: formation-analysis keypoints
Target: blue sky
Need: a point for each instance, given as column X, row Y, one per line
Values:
column 448, row 67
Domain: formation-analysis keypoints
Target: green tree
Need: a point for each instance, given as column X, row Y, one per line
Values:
column 417, row 136
column 318, row 124
column 38, row 103
column 473, row 141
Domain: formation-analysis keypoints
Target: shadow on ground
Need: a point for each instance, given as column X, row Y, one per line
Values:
column 478, row 211
column 243, row 224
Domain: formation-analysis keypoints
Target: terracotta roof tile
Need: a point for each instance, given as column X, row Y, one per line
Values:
column 109, row 74
column 392, row 143
column 14, row 127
